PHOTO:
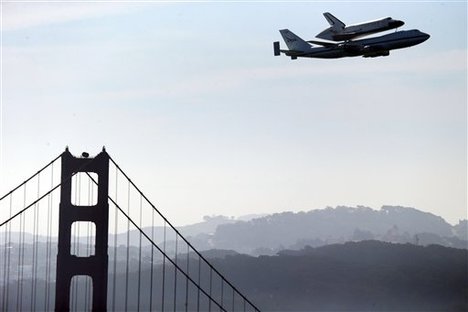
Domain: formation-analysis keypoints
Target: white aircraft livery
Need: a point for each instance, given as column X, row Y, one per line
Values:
column 371, row 47
column 338, row 31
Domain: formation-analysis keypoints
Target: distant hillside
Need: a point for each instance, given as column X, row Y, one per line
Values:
column 206, row 227
column 269, row 234
column 364, row 276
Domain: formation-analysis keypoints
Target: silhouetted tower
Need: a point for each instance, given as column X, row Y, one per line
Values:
column 94, row 266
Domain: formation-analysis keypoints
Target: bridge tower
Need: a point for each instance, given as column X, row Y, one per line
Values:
column 94, row 266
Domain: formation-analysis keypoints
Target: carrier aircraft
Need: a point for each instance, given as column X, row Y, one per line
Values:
column 338, row 31
column 370, row 47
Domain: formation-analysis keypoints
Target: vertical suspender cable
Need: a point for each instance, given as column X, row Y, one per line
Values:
column 199, row 283
column 139, row 256
column 4, row 268
column 177, row 232
column 114, row 285
column 34, row 242
column 73, row 250
column 46, row 277
column 88, row 245
column 4, row 300
column 128, row 250
column 87, row 249
column 9, row 256
column 211, row 283
column 151, row 268
column 233, row 298
column 6, row 264
column 19, row 297
column 91, row 247
column 186, row 279
column 49, row 241
column 164, row 269
column 175, row 274
column 222, row 293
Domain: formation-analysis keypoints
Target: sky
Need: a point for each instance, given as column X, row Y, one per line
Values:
column 189, row 100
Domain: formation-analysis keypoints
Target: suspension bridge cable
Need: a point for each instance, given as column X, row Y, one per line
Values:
column 35, row 240
column 165, row 255
column 183, row 238
column 19, row 213
column 159, row 249
column 30, row 178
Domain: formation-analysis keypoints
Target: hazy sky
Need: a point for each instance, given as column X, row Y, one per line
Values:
column 188, row 98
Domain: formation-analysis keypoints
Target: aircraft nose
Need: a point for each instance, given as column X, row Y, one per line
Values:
column 425, row 36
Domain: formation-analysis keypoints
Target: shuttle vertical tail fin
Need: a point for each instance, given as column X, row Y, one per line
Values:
column 333, row 21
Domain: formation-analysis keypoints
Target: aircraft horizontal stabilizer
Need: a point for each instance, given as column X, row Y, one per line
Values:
column 276, row 48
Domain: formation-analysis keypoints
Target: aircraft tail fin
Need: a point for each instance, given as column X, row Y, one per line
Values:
column 333, row 21
column 293, row 41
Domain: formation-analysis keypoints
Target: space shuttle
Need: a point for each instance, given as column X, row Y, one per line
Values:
column 338, row 31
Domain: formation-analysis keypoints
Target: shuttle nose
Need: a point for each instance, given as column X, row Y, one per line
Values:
column 396, row 23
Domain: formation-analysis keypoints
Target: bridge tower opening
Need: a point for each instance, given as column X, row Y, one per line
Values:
column 94, row 265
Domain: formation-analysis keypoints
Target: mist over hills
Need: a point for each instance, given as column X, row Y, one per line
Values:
column 270, row 234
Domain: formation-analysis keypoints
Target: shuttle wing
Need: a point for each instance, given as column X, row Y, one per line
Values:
column 323, row 43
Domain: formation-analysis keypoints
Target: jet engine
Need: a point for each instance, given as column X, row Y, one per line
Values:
column 377, row 53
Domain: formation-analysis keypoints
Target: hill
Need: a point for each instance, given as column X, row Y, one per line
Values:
column 272, row 233
column 364, row 276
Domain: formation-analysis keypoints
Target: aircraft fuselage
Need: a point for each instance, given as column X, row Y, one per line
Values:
column 371, row 47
